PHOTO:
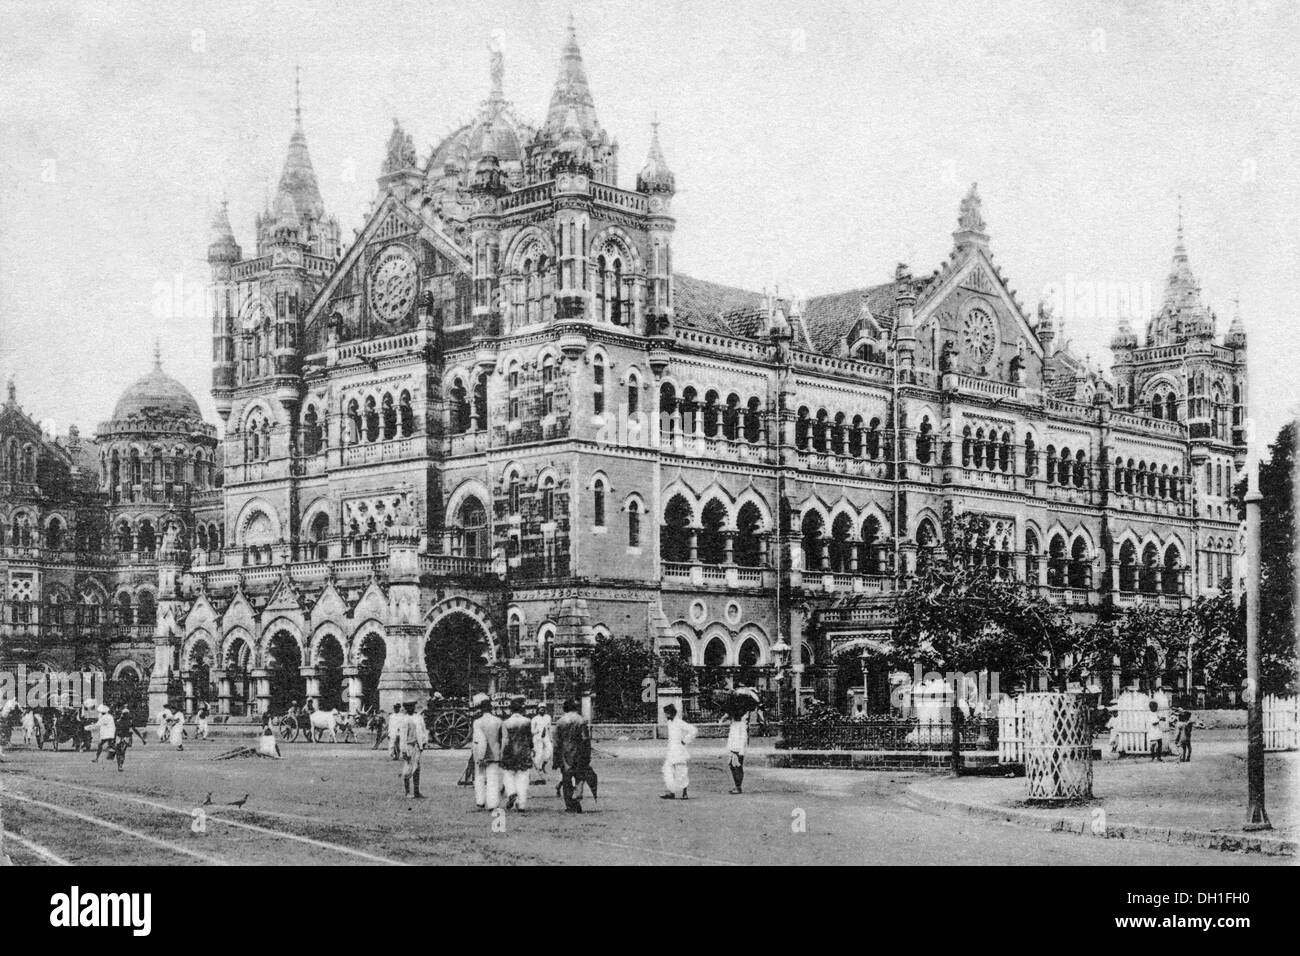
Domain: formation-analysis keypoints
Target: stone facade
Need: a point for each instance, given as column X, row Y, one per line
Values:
column 499, row 424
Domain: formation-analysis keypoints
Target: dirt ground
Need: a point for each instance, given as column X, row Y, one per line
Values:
column 343, row 804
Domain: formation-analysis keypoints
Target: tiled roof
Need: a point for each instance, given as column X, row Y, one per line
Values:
column 829, row 318
column 701, row 305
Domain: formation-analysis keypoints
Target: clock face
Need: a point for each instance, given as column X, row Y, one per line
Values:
column 979, row 335
column 392, row 284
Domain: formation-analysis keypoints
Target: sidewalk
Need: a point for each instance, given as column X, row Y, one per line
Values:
column 1201, row 803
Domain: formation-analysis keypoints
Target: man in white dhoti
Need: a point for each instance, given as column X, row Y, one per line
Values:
column 164, row 723
column 737, row 743
column 412, row 735
column 394, row 723
column 176, row 729
column 680, row 734
column 516, row 755
column 107, row 727
column 487, row 755
column 543, row 748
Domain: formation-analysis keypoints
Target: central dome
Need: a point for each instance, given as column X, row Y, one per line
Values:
column 156, row 395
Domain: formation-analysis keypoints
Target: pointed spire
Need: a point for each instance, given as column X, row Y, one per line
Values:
column 298, row 183
column 157, row 353
column 655, row 176
column 971, row 228
column 571, row 91
column 12, row 393
column 1236, row 337
column 222, row 246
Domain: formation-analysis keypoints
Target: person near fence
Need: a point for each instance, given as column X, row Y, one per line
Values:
column 572, row 754
column 1183, row 736
column 543, row 749
column 412, row 735
column 1156, row 733
column 680, row 735
column 516, row 755
column 1112, row 728
column 487, row 755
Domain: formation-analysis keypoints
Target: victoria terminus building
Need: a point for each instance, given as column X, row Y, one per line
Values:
column 498, row 425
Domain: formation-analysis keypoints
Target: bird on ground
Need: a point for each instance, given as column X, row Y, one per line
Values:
column 238, row 803
column 207, row 801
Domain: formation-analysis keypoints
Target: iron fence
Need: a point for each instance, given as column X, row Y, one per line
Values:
column 887, row 733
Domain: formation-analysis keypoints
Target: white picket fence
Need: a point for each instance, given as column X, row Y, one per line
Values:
column 1011, row 730
column 1281, row 722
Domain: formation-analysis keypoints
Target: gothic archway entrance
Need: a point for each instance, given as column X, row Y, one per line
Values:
column 200, row 676
column 457, row 655
column 329, row 673
column 370, row 664
column 283, row 669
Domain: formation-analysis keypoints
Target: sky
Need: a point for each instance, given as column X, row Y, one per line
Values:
column 815, row 146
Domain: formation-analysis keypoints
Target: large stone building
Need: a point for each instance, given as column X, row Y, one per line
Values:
column 498, row 424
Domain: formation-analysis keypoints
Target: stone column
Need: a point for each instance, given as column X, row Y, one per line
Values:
column 351, row 674
column 312, row 675
column 261, row 703
column 223, row 691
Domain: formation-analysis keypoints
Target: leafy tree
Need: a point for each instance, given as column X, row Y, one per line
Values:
column 1220, row 632
column 620, row 665
column 956, row 615
column 1277, row 631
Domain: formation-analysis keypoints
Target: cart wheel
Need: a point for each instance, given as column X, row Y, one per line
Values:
column 288, row 728
column 461, row 730
column 440, row 731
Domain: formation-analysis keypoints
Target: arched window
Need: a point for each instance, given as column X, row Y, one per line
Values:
column 1031, row 457
column 389, row 418
column 147, row 609
column 1056, row 562
column 633, row 396
column 712, row 546
column 319, row 534
column 406, row 416
column 474, row 530
column 54, row 535
column 124, row 610
column 927, row 538
column 1004, row 453
column 145, row 540
column 869, row 549
column 925, row 442
column 675, row 539
column 372, row 420
column 310, row 431
column 747, row 551
column 598, row 503
column 1150, row 562
column 1171, row 407
column 634, row 524
column 802, row 426
column 977, row 449
column 1171, row 578
column 811, row 528
column 840, row 548
column 355, row 427
column 753, row 427
column 1128, row 567
column 731, row 418
column 1031, row 556
column 1080, row 469
column 548, row 385
column 548, row 498
column 1080, row 566
column 966, row 449
column 513, row 488
column 819, row 431
column 873, row 439
column 597, row 385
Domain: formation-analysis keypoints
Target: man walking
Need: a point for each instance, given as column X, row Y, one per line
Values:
column 680, row 734
column 737, row 742
column 516, row 755
column 487, row 755
column 107, row 727
column 123, row 728
column 394, row 721
column 412, row 736
column 572, row 753
column 542, row 747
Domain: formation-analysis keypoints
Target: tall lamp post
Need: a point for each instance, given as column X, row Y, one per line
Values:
column 1256, row 815
column 781, row 657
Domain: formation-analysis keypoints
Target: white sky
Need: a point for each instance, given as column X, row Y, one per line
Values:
column 814, row 148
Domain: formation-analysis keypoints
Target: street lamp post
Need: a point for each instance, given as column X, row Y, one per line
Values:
column 1256, row 815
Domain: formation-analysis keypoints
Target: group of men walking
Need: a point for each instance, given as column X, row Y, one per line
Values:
column 506, row 752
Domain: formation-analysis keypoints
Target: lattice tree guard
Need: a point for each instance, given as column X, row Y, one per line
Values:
column 1058, row 747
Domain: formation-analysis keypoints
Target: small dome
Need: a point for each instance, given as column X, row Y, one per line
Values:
column 157, row 395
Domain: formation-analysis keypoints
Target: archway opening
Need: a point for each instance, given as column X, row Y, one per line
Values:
column 200, row 667
column 239, row 660
column 456, row 657
column 370, row 665
column 329, row 674
column 284, row 669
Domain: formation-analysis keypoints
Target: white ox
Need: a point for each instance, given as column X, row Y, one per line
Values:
column 325, row 722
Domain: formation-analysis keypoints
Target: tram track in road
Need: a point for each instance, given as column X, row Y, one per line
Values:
column 213, row 815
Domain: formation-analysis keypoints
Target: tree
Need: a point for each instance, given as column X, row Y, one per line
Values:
column 1278, row 669
column 956, row 616
column 620, row 666
column 1220, row 633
